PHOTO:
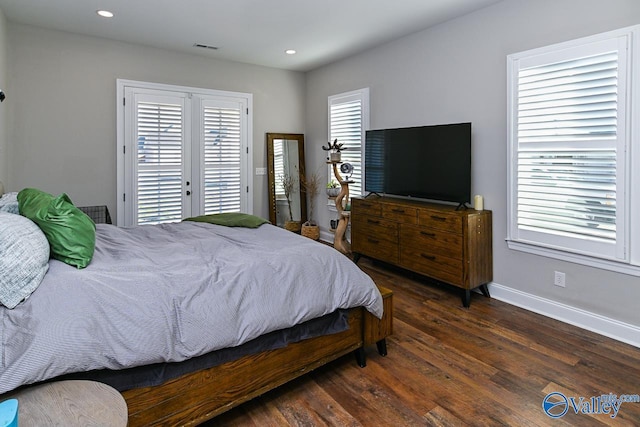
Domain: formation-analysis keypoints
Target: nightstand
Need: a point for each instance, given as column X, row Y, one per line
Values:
column 69, row 403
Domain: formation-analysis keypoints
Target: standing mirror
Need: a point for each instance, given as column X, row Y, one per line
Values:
column 285, row 162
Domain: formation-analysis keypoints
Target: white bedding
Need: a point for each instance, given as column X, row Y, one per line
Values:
column 171, row 292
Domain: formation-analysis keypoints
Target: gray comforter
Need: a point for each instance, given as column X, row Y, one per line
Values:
column 171, row 292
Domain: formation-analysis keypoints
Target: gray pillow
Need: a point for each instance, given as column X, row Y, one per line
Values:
column 24, row 258
column 9, row 203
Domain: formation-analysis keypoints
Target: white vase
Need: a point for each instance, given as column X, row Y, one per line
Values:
column 333, row 192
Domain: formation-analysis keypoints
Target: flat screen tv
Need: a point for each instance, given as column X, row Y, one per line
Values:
column 426, row 162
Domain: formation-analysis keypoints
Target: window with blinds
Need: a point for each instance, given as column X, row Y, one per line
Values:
column 278, row 169
column 160, row 138
column 222, row 159
column 182, row 152
column 568, row 145
column 348, row 120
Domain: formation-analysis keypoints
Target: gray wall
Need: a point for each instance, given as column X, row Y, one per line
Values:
column 4, row 157
column 63, row 112
column 456, row 72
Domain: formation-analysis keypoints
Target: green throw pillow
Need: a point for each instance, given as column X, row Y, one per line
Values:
column 70, row 232
column 231, row 219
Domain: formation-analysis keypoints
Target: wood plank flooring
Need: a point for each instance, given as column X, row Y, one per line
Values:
column 489, row 365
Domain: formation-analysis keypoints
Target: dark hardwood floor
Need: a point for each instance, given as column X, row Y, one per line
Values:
column 491, row 364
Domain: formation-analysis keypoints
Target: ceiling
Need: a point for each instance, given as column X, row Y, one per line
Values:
column 250, row 31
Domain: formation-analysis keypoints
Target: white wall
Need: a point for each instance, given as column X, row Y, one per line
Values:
column 456, row 72
column 63, row 111
column 4, row 155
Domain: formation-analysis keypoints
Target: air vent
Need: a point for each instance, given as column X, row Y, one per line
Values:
column 205, row 46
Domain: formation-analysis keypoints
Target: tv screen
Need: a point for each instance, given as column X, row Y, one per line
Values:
column 427, row 162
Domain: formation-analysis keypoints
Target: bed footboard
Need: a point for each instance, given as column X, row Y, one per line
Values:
column 200, row 396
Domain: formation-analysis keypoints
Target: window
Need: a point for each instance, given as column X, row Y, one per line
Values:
column 221, row 155
column 160, row 139
column 570, row 149
column 348, row 120
column 182, row 152
column 278, row 168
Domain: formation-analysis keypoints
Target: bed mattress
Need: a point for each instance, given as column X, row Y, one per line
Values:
column 168, row 293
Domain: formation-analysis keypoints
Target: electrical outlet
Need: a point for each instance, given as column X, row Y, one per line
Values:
column 559, row 279
column 261, row 171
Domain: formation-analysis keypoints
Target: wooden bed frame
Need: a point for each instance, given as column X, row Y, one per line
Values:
column 194, row 398
column 199, row 396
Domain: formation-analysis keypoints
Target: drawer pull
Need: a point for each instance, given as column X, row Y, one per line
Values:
column 438, row 218
column 429, row 257
column 373, row 221
column 424, row 233
column 397, row 210
column 373, row 240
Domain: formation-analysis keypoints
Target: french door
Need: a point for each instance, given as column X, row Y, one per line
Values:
column 185, row 152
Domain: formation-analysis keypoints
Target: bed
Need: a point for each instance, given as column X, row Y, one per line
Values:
column 196, row 317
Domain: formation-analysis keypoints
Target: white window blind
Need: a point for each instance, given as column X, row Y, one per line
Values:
column 160, row 158
column 278, row 169
column 567, row 131
column 222, row 159
column 568, row 146
column 348, row 120
column 181, row 152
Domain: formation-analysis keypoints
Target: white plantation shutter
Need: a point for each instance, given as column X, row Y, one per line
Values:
column 568, row 139
column 159, row 132
column 222, row 158
column 182, row 152
column 278, row 169
column 348, row 120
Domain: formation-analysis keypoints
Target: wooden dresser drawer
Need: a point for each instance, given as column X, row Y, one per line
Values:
column 365, row 225
column 437, row 266
column 376, row 248
column 438, row 241
column 431, row 240
column 441, row 220
column 403, row 214
column 363, row 207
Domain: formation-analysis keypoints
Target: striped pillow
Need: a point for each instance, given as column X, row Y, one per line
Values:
column 24, row 258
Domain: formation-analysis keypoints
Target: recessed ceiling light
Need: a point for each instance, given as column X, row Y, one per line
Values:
column 290, row 51
column 105, row 13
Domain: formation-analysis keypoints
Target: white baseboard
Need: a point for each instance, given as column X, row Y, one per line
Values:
column 611, row 328
column 326, row 236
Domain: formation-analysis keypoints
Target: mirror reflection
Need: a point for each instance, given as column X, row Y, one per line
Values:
column 287, row 199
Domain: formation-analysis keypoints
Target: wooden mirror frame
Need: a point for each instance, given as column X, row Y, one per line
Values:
column 271, row 137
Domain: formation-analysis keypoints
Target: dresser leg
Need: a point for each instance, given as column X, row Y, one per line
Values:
column 361, row 357
column 485, row 290
column 466, row 297
column 382, row 347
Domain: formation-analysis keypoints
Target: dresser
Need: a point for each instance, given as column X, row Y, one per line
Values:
column 438, row 241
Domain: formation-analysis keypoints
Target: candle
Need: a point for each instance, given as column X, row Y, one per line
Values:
column 478, row 202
